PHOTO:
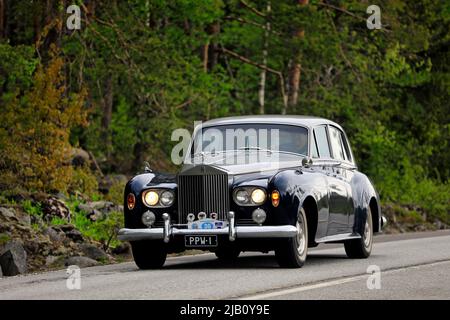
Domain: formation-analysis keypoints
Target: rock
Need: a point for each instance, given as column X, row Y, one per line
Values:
column 37, row 220
column 54, row 235
column 98, row 210
column 13, row 259
column 122, row 248
column 85, row 207
column 79, row 157
column 93, row 252
column 53, row 207
column 66, row 227
column 96, row 215
column 61, row 196
column 23, row 218
column 50, row 260
column 75, row 235
column 7, row 212
column 106, row 182
column 80, row 261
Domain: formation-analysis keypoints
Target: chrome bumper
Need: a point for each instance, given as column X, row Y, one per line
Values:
column 233, row 232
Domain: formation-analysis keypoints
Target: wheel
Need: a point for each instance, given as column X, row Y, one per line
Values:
column 227, row 254
column 148, row 254
column 291, row 253
column 361, row 248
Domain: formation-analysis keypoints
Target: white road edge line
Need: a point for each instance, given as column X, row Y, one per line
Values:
column 324, row 284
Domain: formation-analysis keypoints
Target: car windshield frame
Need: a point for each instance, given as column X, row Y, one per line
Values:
column 262, row 125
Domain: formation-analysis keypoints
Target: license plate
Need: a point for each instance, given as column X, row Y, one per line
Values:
column 200, row 241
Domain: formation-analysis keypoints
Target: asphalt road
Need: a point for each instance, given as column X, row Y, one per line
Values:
column 413, row 266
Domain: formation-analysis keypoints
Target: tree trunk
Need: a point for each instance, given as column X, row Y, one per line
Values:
column 107, row 113
column 213, row 48
column 205, row 56
column 295, row 67
column 262, row 83
column 2, row 19
column 294, row 82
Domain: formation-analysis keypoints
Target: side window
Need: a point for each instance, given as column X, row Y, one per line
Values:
column 336, row 144
column 315, row 152
column 322, row 142
column 348, row 155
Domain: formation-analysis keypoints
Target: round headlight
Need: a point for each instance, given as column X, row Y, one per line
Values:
column 242, row 196
column 167, row 198
column 258, row 196
column 151, row 198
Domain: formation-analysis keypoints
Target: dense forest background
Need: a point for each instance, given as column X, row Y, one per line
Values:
column 136, row 70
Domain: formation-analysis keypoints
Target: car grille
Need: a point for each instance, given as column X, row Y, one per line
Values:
column 205, row 192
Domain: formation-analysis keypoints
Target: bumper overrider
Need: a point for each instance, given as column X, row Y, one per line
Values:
column 233, row 231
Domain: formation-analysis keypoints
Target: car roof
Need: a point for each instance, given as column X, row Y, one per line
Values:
column 299, row 120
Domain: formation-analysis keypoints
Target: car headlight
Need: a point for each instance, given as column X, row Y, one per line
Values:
column 167, row 198
column 242, row 196
column 258, row 196
column 249, row 196
column 151, row 198
column 158, row 198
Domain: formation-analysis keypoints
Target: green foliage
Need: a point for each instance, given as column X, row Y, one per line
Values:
column 149, row 67
column 83, row 181
column 32, row 208
column 35, row 128
column 104, row 230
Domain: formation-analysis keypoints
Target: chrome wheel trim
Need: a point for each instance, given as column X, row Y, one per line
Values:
column 301, row 236
column 367, row 233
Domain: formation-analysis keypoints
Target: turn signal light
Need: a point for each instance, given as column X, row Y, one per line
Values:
column 131, row 201
column 275, row 198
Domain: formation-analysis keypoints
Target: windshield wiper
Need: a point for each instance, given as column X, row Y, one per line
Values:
column 255, row 148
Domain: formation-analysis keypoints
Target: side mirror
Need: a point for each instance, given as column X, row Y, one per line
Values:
column 307, row 162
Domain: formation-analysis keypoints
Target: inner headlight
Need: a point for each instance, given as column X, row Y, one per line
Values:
column 151, row 198
column 242, row 196
column 258, row 196
column 167, row 198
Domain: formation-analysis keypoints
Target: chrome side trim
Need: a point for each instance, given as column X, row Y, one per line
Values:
column 339, row 237
column 241, row 232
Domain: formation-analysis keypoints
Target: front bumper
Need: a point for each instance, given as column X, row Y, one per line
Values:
column 233, row 231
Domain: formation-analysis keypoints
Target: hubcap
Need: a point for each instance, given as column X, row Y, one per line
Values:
column 301, row 236
column 367, row 234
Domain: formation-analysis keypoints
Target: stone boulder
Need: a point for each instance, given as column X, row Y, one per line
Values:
column 98, row 210
column 7, row 212
column 54, row 207
column 93, row 252
column 123, row 248
column 80, row 261
column 80, row 157
column 13, row 259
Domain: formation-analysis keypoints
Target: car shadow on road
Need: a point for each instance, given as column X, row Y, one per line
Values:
column 264, row 261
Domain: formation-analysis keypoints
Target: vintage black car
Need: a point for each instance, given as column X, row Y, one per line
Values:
column 255, row 183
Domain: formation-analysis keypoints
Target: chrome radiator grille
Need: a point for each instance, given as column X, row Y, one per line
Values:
column 207, row 193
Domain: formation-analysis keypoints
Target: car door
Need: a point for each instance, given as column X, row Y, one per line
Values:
column 337, row 217
column 340, row 190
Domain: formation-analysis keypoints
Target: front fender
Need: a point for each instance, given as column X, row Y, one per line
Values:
column 137, row 185
column 295, row 186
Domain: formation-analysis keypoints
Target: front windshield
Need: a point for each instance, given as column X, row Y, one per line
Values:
column 268, row 138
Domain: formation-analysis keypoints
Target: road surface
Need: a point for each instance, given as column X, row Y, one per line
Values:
column 413, row 266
